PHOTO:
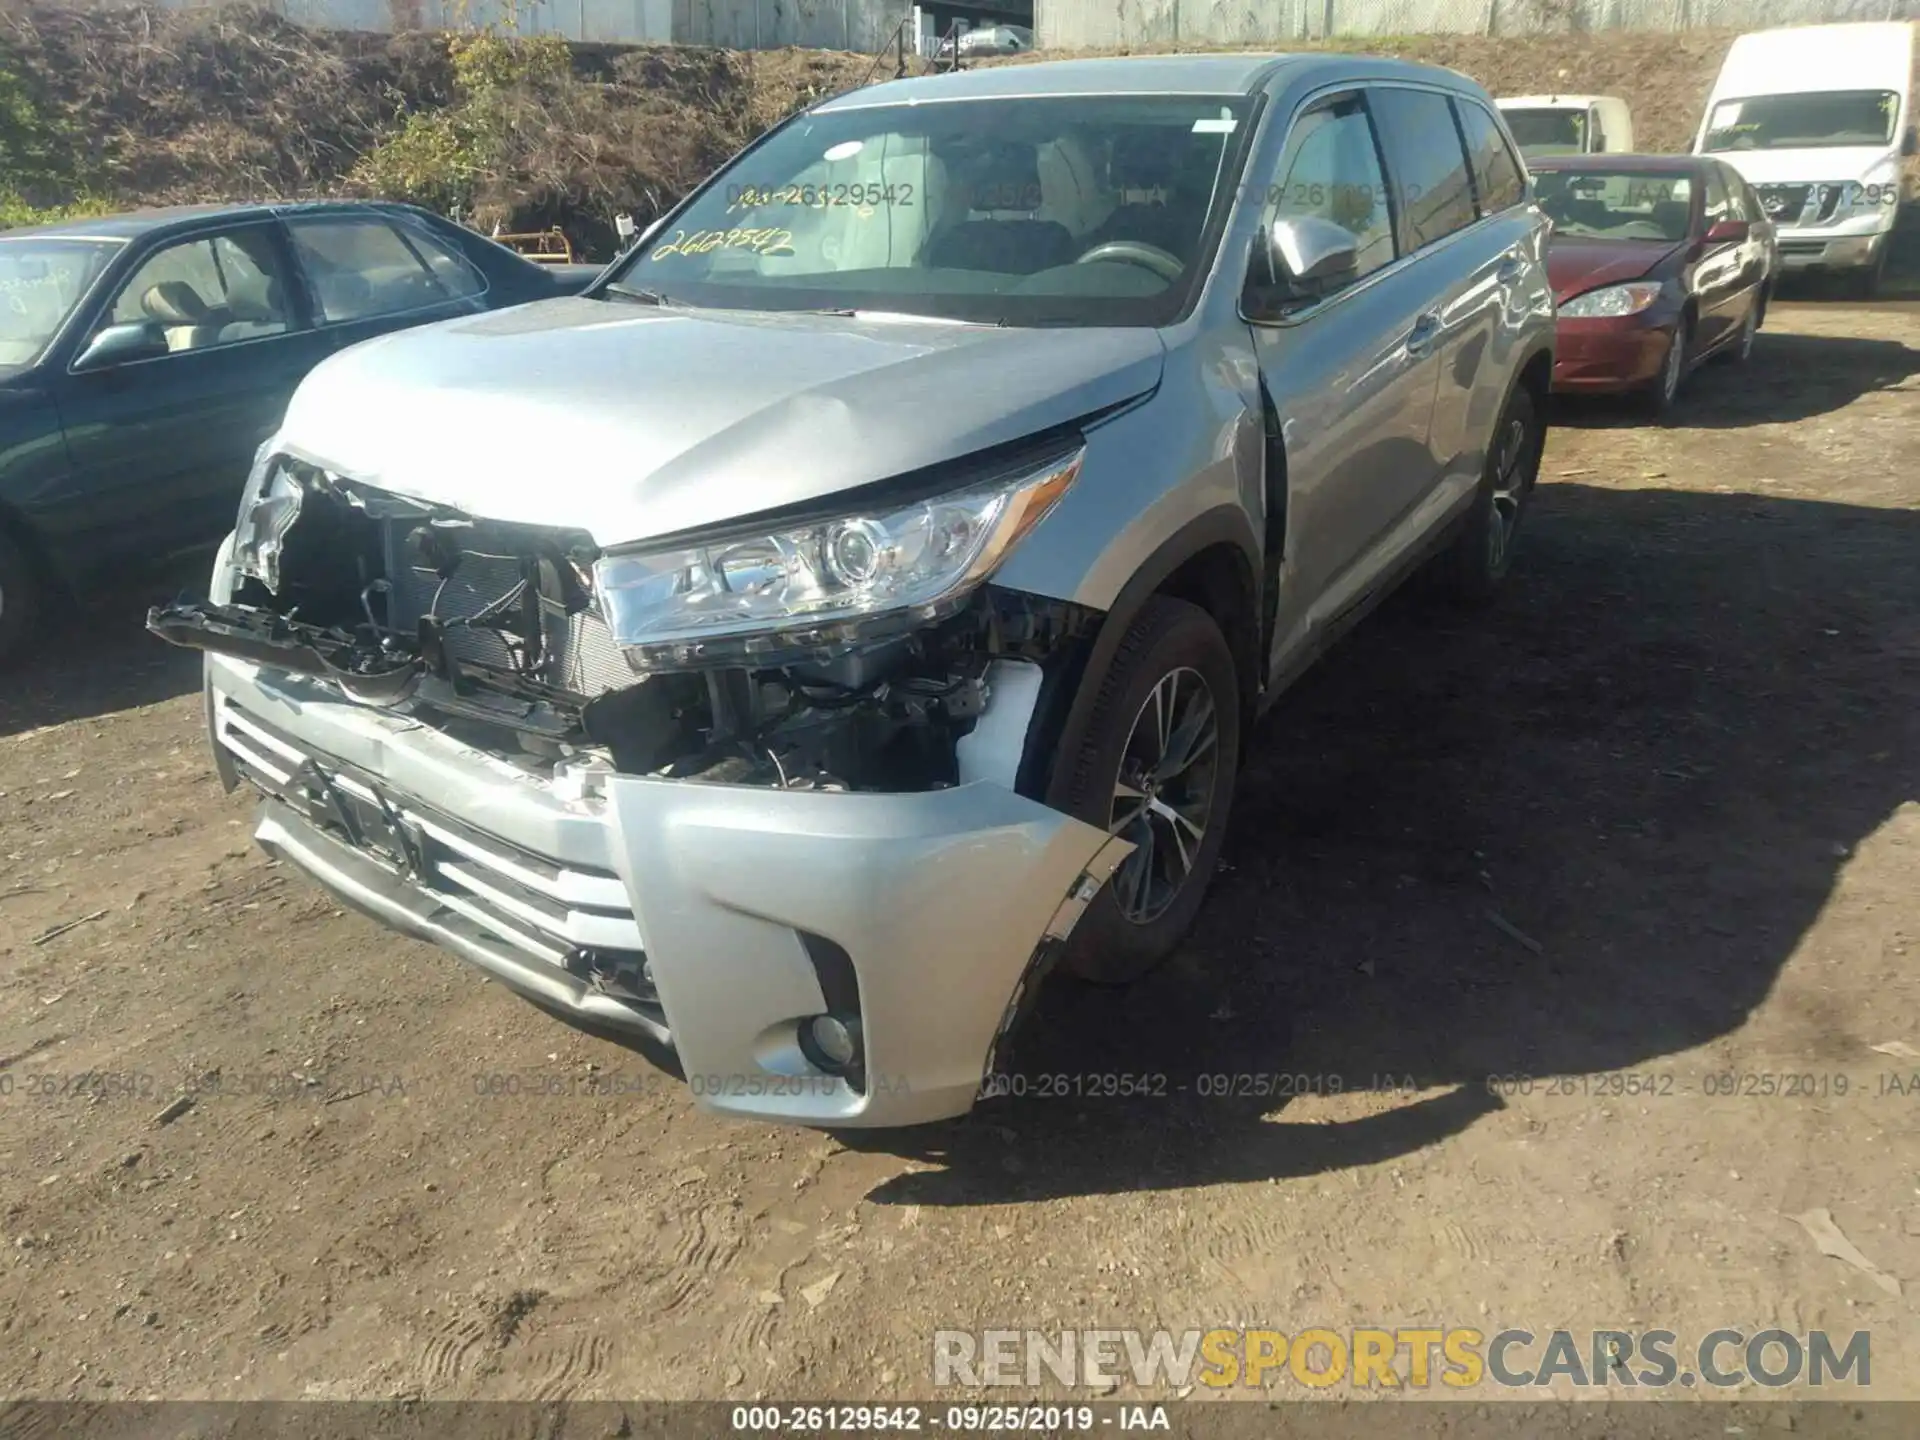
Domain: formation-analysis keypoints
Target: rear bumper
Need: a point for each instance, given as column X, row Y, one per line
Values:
column 714, row 919
column 1601, row 356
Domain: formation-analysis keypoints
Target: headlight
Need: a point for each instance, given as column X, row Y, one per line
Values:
column 754, row 593
column 1613, row 300
column 268, row 508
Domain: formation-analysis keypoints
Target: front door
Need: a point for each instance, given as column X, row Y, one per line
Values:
column 161, row 445
column 1349, row 372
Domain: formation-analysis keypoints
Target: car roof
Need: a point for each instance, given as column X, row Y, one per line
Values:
column 132, row 224
column 1677, row 164
column 1232, row 73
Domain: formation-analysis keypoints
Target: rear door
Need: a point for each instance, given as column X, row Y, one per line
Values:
column 1466, row 269
column 161, row 446
column 368, row 273
column 1348, row 371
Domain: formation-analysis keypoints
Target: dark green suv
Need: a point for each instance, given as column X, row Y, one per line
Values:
column 144, row 357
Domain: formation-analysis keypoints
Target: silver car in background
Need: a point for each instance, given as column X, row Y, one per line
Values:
column 857, row 603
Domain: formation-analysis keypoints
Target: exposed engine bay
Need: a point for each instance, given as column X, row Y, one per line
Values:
column 493, row 632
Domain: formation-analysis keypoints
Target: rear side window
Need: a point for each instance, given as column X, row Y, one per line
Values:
column 362, row 267
column 1497, row 177
column 1426, row 161
column 1719, row 200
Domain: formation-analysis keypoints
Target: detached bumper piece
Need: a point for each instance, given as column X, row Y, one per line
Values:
column 370, row 667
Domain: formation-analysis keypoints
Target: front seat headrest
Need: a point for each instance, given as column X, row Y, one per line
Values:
column 174, row 302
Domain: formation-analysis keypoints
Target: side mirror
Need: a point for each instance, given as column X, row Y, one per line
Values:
column 1728, row 232
column 1308, row 257
column 118, row 344
column 1910, row 142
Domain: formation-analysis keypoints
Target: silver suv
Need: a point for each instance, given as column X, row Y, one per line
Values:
column 857, row 602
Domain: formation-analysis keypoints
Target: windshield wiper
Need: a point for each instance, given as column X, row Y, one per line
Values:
column 641, row 296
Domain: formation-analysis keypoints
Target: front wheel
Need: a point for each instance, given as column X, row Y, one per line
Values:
column 1157, row 768
column 1664, row 392
column 1864, row 284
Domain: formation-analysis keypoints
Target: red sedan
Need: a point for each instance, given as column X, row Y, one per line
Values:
column 1657, row 262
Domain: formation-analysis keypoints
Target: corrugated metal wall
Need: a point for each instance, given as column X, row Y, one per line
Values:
column 765, row 24
column 1077, row 24
column 738, row 24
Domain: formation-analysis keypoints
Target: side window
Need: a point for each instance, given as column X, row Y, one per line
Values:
column 1746, row 204
column 1719, row 201
column 1332, row 171
column 1497, row 177
column 210, row 290
column 1596, row 131
column 1428, row 165
column 362, row 268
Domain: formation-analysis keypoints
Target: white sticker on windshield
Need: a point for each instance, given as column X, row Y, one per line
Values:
column 1225, row 125
column 1725, row 115
column 845, row 150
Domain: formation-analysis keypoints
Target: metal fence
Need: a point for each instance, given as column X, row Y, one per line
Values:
column 737, row 24
column 1079, row 24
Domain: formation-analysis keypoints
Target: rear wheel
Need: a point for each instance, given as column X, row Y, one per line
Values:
column 19, row 599
column 1741, row 351
column 1157, row 768
column 1472, row 568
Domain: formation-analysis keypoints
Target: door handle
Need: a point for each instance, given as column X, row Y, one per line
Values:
column 1425, row 329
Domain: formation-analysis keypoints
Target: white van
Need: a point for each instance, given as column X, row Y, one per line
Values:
column 1817, row 118
column 1568, row 124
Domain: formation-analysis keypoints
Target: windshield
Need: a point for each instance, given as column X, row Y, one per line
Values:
column 1548, row 132
column 1059, row 210
column 1824, row 120
column 42, row 279
column 1617, row 204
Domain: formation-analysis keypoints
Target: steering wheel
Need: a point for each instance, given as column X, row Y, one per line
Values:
column 1163, row 263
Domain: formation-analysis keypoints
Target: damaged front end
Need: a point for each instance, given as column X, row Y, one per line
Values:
column 734, row 792
column 536, row 643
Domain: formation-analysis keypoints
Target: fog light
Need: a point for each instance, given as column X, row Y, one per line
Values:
column 831, row 1043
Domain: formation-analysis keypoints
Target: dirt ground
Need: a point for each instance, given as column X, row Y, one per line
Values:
column 1681, row 758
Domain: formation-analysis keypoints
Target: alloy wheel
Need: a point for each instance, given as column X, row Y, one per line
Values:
column 1163, row 795
column 1509, row 492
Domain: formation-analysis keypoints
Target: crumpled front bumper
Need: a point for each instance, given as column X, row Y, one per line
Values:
column 942, row 901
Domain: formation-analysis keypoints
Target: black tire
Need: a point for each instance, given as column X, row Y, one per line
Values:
column 1472, row 567
column 1663, row 394
column 19, row 599
column 1173, row 653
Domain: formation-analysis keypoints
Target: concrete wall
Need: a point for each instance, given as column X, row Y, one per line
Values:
column 1076, row 24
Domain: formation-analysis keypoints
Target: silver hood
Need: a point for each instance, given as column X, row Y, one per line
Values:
column 631, row 422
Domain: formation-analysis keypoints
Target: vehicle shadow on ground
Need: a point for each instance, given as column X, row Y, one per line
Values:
column 101, row 659
column 1574, row 835
column 1791, row 377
